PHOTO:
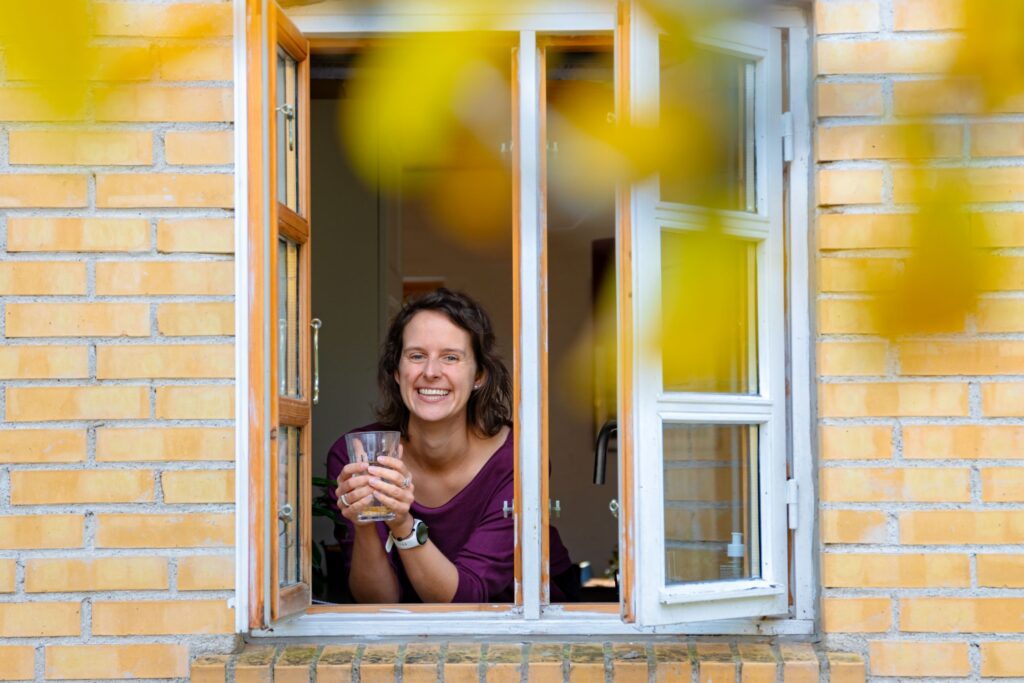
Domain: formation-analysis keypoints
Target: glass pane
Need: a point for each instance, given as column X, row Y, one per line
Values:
column 288, row 518
column 707, row 123
column 711, row 503
column 288, row 337
column 709, row 312
column 287, row 131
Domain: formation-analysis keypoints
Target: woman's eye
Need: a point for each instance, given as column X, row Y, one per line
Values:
column 451, row 358
column 416, row 357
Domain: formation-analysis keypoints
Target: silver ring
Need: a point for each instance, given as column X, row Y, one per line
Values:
column 344, row 501
column 406, row 482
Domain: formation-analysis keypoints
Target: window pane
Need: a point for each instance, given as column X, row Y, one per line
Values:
column 288, row 518
column 288, row 318
column 709, row 312
column 711, row 503
column 287, row 131
column 707, row 121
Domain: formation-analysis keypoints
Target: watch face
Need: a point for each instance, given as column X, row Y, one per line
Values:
column 421, row 533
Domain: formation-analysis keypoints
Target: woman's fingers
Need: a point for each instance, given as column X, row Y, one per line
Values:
column 396, row 505
column 393, row 491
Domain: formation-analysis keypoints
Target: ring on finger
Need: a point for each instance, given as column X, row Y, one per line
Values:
column 406, row 482
column 344, row 501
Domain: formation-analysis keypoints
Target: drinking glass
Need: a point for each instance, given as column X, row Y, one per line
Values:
column 367, row 447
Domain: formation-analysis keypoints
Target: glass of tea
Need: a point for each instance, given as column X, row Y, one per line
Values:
column 367, row 447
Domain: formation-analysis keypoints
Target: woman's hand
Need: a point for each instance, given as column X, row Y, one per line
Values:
column 393, row 487
column 354, row 491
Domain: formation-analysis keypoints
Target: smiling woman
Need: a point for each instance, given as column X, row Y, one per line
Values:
column 445, row 389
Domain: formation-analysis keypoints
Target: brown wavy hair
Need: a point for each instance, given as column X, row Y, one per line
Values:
column 489, row 407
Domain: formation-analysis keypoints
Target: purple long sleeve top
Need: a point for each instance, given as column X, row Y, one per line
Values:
column 470, row 530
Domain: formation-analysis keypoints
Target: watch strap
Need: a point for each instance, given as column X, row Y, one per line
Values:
column 410, row 541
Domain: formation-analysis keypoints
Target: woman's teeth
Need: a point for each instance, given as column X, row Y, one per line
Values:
column 433, row 392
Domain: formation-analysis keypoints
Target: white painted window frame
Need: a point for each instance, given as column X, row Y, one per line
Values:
column 571, row 16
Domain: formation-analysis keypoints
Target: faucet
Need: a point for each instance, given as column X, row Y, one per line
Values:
column 601, row 450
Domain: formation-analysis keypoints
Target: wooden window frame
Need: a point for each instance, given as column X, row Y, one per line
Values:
column 253, row 405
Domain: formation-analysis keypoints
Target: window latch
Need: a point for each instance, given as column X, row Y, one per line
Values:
column 792, row 499
column 506, row 508
column 787, row 135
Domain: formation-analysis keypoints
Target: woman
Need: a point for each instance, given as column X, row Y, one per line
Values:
column 446, row 390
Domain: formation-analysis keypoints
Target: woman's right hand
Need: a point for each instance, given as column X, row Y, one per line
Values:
column 354, row 485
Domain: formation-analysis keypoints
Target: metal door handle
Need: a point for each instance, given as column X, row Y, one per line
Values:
column 315, row 324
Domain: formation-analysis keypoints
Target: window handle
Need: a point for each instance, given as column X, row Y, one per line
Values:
column 506, row 508
column 315, row 324
column 286, row 514
column 289, row 115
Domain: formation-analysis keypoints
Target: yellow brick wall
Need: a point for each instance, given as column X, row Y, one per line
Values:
column 116, row 363
column 921, row 438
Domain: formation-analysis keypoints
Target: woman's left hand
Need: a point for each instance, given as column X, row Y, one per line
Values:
column 393, row 487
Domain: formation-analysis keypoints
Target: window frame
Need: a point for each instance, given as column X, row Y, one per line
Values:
column 575, row 16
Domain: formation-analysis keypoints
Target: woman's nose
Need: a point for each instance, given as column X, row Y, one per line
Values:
column 433, row 368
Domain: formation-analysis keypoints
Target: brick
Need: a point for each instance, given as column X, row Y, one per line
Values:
column 947, row 96
column 1000, row 315
column 876, row 484
column 35, row 404
column 995, row 184
column 36, row 105
column 294, row 665
column 42, row 445
column 857, row 274
column 17, row 662
column 963, row 441
column 170, row 444
column 101, row 63
column 335, row 664
column 116, row 661
column 927, row 15
column 209, row 669
column 215, row 147
column 62, row 575
column 7, row 576
column 165, row 361
column 975, row 357
column 42, row 190
column 205, row 235
column 164, row 278
column 845, row 667
column 856, row 443
column 853, row 526
column 461, row 663
column 39, row 619
column 1003, row 399
column 379, row 664
column 715, row 663
column 956, row 615
column 195, row 62
column 944, row 527
column 840, row 143
column 77, row 234
column 629, row 663
column 206, row 573
column 196, row 319
column 897, row 56
column 66, row 147
column 51, row 487
column 856, row 615
column 420, row 663
column 586, row 663
column 842, row 316
column 997, row 139
column 198, row 530
column 998, row 229
column 42, row 531
column 853, row 16
column 875, row 570
column 1002, row 484
column 159, row 617
column 77, row 320
column 1002, row 273
column 504, row 663
column 177, row 20
column 864, row 231
column 671, row 663
column 896, row 399
column 21, row 279
column 852, row 358
column 43, row 362
column 906, row 658
column 849, row 187
column 757, row 663
column 164, row 190
column 850, row 99
column 199, row 486
column 800, row 664
column 163, row 104
column 1002, row 659
column 253, row 665
column 195, row 403
column 1001, row 571
column 545, row 663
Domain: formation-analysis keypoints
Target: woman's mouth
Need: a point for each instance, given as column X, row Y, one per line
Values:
column 433, row 394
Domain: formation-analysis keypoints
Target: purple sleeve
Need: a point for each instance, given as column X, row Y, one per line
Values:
column 486, row 562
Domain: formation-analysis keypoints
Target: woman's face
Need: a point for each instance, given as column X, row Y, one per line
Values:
column 437, row 370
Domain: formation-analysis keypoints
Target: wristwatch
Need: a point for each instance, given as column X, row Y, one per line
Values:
column 416, row 537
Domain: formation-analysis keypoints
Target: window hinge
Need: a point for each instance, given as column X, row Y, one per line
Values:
column 792, row 498
column 787, row 136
